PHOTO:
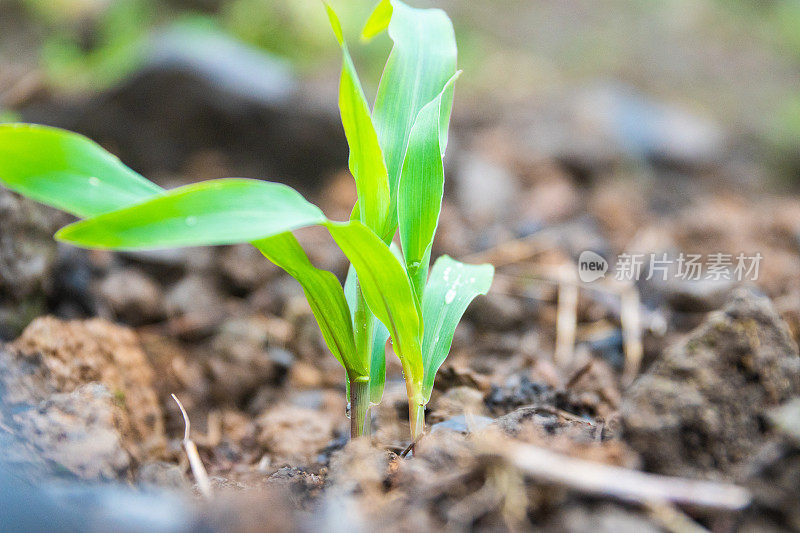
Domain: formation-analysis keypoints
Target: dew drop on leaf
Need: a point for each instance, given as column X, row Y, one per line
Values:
column 450, row 296
column 94, row 181
column 191, row 220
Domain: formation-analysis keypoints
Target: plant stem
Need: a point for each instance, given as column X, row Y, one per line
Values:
column 359, row 386
column 359, row 407
column 416, row 406
column 416, row 418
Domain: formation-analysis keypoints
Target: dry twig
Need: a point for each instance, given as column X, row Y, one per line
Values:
column 566, row 317
column 630, row 319
column 195, row 462
column 673, row 519
column 623, row 483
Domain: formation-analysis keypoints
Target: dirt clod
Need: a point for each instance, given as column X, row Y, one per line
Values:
column 56, row 357
column 700, row 408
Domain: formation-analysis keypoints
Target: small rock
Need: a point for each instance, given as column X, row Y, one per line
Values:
column 696, row 296
column 195, row 305
column 242, row 361
column 463, row 424
column 514, row 422
column 77, row 431
column 497, row 311
column 243, row 340
column 521, row 391
column 450, row 376
column 294, row 434
column 244, row 268
column 304, row 376
column 457, row 401
column 164, row 475
column 302, row 485
column 283, row 359
column 132, row 296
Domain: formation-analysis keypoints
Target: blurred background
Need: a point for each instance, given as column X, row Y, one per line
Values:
column 614, row 126
column 731, row 67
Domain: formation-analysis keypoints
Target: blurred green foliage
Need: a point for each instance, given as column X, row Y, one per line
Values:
column 80, row 55
column 93, row 43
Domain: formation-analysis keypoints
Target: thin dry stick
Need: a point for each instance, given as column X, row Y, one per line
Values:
column 411, row 446
column 199, row 471
column 566, row 317
column 630, row 319
column 673, row 519
column 623, row 483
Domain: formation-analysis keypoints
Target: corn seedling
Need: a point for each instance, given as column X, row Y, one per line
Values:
column 396, row 152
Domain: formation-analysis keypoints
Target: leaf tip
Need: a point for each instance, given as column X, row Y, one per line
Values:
column 378, row 20
column 336, row 25
column 64, row 234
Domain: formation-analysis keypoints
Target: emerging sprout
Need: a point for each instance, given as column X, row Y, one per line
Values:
column 396, row 153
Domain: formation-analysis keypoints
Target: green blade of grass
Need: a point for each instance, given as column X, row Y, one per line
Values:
column 451, row 288
column 419, row 193
column 67, row 171
column 325, row 296
column 421, row 62
column 387, row 290
column 366, row 159
column 224, row 211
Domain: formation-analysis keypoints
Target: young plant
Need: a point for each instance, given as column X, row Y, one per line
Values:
column 396, row 152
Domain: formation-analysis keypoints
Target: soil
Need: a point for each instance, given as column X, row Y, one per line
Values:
column 90, row 399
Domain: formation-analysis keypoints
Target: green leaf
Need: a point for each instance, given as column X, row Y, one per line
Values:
column 325, row 296
column 421, row 62
column 366, row 159
column 451, row 288
column 224, row 211
column 67, row 171
column 387, row 291
column 419, row 195
column 378, row 21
